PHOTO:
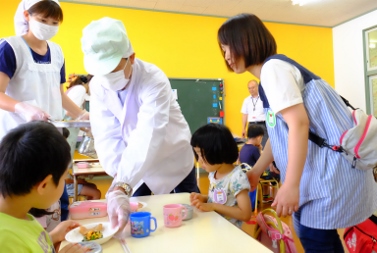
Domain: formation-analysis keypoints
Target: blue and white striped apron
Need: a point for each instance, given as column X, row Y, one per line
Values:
column 332, row 194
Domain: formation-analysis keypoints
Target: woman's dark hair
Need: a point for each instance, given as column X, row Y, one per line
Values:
column 248, row 38
column 80, row 80
column 216, row 144
column 28, row 154
column 254, row 131
column 47, row 8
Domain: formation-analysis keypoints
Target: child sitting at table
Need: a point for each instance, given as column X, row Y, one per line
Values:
column 89, row 190
column 34, row 159
column 216, row 151
column 251, row 150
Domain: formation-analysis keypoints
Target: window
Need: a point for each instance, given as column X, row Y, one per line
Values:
column 371, row 69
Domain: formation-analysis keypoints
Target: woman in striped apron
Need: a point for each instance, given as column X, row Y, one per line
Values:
column 319, row 188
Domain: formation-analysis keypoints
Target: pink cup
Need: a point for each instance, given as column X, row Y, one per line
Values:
column 174, row 214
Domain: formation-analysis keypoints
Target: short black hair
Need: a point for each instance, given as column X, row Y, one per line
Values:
column 254, row 131
column 216, row 143
column 28, row 154
column 247, row 38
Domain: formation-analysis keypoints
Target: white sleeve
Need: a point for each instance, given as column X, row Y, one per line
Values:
column 244, row 106
column 106, row 130
column 282, row 83
column 146, row 140
column 77, row 94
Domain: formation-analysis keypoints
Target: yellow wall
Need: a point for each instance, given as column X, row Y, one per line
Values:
column 185, row 45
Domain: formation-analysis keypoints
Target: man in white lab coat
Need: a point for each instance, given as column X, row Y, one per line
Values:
column 141, row 136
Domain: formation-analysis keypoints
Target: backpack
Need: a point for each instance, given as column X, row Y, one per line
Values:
column 357, row 144
column 273, row 233
column 362, row 237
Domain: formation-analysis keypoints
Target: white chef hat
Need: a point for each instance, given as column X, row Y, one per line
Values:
column 20, row 24
column 104, row 43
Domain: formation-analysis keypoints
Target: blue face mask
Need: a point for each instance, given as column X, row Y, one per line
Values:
column 116, row 81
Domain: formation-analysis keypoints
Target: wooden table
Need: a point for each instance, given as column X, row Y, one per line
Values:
column 205, row 232
column 95, row 170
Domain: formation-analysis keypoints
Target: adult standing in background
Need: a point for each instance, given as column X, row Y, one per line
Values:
column 253, row 112
column 140, row 134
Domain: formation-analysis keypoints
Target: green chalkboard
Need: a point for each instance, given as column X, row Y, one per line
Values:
column 201, row 100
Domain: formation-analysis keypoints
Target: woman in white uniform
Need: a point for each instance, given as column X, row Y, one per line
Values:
column 140, row 134
column 32, row 68
column 320, row 188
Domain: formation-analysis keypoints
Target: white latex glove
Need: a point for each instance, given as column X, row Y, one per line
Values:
column 83, row 116
column 118, row 209
column 31, row 112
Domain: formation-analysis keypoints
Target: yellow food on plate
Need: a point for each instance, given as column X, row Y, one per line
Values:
column 92, row 233
column 140, row 205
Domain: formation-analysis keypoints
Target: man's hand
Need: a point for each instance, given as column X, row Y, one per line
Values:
column 118, row 209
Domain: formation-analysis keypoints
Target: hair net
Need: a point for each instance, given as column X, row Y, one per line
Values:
column 20, row 24
column 104, row 43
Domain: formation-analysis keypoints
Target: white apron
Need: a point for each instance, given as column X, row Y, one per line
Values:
column 39, row 84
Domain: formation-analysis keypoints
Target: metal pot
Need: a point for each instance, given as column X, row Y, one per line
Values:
column 86, row 147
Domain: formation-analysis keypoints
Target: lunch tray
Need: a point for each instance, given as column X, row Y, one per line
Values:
column 78, row 123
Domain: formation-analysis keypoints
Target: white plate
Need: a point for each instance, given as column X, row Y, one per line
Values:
column 74, row 235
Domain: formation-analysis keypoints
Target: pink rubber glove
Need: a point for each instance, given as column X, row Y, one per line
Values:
column 31, row 112
column 118, row 209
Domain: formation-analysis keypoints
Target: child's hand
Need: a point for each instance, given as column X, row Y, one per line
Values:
column 197, row 197
column 58, row 233
column 74, row 248
column 205, row 207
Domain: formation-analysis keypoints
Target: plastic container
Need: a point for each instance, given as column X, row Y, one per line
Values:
column 87, row 210
column 93, row 246
column 190, row 211
column 83, row 165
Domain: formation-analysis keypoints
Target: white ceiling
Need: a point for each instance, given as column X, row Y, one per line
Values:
column 327, row 13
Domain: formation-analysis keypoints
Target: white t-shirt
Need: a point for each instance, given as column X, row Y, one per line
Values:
column 253, row 107
column 277, row 77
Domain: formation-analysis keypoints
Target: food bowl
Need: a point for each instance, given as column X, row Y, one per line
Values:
column 74, row 236
column 190, row 211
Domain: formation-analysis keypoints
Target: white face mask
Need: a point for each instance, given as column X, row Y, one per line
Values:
column 115, row 81
column 42, row 31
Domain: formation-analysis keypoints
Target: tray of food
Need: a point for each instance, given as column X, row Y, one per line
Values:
column 71, row 123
